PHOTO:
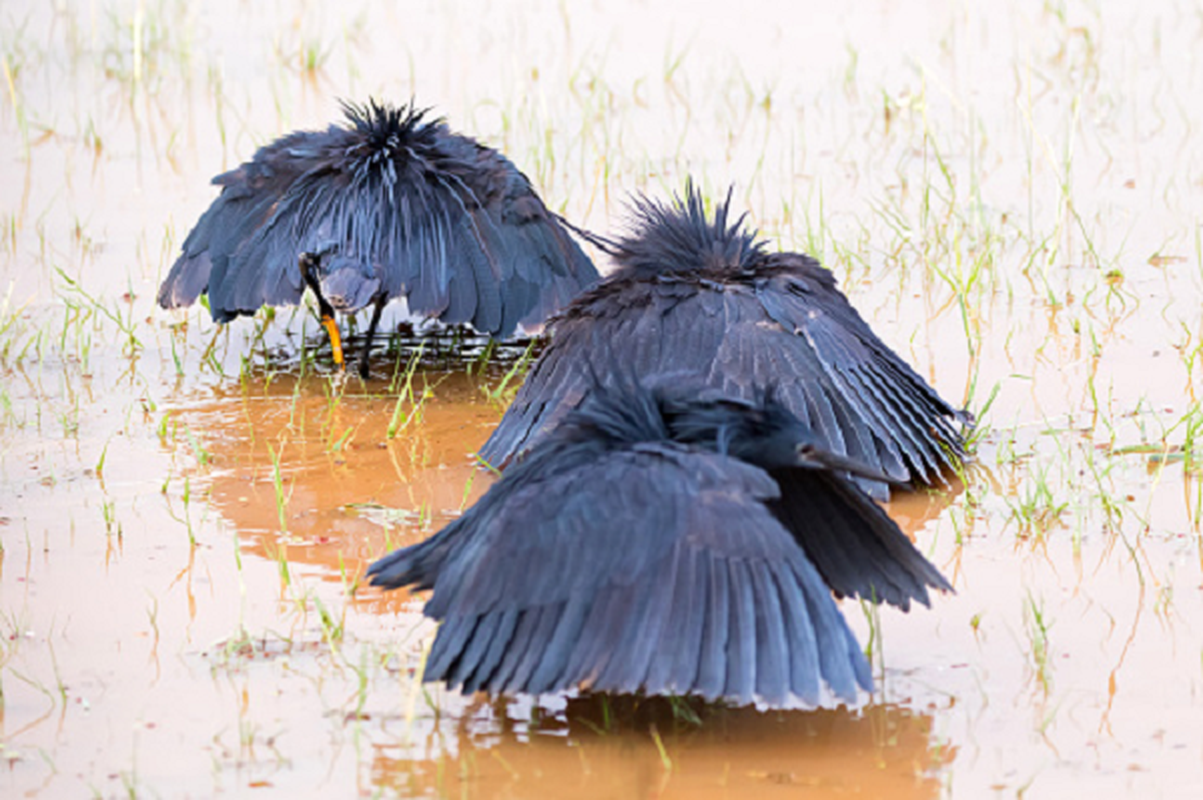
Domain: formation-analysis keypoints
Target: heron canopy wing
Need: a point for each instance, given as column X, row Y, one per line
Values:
column 791, row 334
column 856, row 547
column 914, row 431
column 247, row 201
column 585, row 523
column 653, row 568
column 410, row 208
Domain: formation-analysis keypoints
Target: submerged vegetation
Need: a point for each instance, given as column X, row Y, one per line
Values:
column 1010, row 195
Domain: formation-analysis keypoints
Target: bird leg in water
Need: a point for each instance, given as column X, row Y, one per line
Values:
column 367, row 343
column 308, row 264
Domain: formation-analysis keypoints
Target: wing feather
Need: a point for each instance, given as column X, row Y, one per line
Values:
column 440, row 220
column 678, row 579
column 785, row 329
column 856, row 547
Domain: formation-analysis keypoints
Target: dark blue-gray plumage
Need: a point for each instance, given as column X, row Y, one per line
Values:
column 703, row 297
column 391, row 205
column 648, row 544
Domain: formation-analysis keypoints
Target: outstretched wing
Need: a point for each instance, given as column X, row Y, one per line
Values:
column 888, row 416
column 406, row 205
column 856, row 547
column 790, row 333
column 626, row 332
column 545, row 268
column 651, row 569
column 247, row 201
column 525, row 265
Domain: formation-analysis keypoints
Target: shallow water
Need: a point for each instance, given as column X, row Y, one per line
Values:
column 1011, row 195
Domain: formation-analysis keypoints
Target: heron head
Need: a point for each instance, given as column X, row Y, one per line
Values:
column 764, row 433
column 346, row 282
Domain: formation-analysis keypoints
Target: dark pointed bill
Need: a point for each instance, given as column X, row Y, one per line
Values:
column 811, row 456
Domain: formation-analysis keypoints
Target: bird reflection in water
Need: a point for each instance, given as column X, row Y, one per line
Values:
column 623, row 747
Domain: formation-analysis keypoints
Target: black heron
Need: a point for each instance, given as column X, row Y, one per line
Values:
column 703, row 296
column 664, row 542
column 392, row 204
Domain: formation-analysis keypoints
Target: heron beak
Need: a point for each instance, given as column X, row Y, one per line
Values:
column 810, row 455
column 336, row 341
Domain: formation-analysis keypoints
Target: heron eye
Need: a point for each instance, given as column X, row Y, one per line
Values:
column 806, row 449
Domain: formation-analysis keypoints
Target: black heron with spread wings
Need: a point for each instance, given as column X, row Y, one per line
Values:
column 665, row 542
column 392, row 204
column 702, row 296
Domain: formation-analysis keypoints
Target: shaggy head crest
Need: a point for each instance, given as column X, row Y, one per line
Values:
column 390, row 132
column 678, row 237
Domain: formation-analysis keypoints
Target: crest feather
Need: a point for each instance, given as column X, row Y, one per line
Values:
column 680, row 237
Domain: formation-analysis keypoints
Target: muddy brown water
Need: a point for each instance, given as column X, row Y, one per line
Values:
column 1010, row 194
